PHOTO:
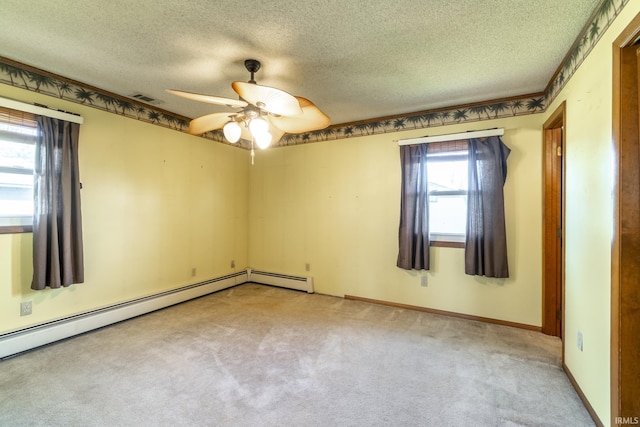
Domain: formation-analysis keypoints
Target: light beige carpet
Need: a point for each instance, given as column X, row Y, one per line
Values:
column 256, row 355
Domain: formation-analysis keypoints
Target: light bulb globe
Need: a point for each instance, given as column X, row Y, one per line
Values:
column 232, row 131
column 258, row 126
column 263, row 140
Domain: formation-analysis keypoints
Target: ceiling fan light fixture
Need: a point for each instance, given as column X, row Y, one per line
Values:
column 258, row 126
column 263, row 140
column 232, row 131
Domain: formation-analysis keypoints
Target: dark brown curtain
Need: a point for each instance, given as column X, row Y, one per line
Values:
column 413, row 234
column 57, row 223
column 486, row 242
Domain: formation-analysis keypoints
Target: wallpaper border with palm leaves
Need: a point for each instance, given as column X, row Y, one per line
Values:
column 23, row 76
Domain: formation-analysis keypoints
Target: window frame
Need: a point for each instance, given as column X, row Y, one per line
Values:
column 456, row 148
column 19, row 118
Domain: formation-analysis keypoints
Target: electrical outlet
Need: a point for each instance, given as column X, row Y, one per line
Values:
column 423, row 281
column 25, row 308
column 193, row 272
column 307, row 267
column 579, row 341
column 233, row 264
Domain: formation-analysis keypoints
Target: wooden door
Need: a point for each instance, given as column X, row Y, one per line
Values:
column 553, row 254
column 625, row 258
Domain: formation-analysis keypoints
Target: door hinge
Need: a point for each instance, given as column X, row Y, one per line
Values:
column 559, row 314
column 559, row 233
column 559, row 150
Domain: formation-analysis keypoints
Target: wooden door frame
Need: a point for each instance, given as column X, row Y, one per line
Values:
column 550, row 303
column 625, row 248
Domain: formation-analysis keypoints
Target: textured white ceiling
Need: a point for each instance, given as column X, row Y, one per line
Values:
column 355, row 60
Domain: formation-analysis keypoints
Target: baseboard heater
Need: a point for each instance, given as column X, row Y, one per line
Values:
column 282, row 280
column 26, row 339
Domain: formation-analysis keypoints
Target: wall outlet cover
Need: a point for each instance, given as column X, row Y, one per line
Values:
column 25, row 308
column 579, row 341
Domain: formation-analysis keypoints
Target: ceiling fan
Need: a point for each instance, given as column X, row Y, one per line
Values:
column 264, row 113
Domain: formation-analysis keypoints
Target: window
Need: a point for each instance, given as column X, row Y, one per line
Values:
column 447, row 175
column 18, row 132
column 435, row 200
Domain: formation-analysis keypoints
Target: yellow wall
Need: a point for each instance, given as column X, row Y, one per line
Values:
column 156, row 203
column 589, row 216
column 335, row 205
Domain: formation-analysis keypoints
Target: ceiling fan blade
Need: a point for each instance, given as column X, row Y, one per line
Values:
column 275, row 101
column 310, row 119
column 232, row 103
column 208, row 122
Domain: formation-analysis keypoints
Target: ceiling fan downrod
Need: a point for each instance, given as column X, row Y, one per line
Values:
column 252, row 66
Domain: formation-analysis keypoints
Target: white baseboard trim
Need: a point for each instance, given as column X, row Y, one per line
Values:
column 282, row 280
column 26, row 339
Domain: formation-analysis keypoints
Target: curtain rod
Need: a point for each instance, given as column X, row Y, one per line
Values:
column 452, row 136
column 41, row 110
